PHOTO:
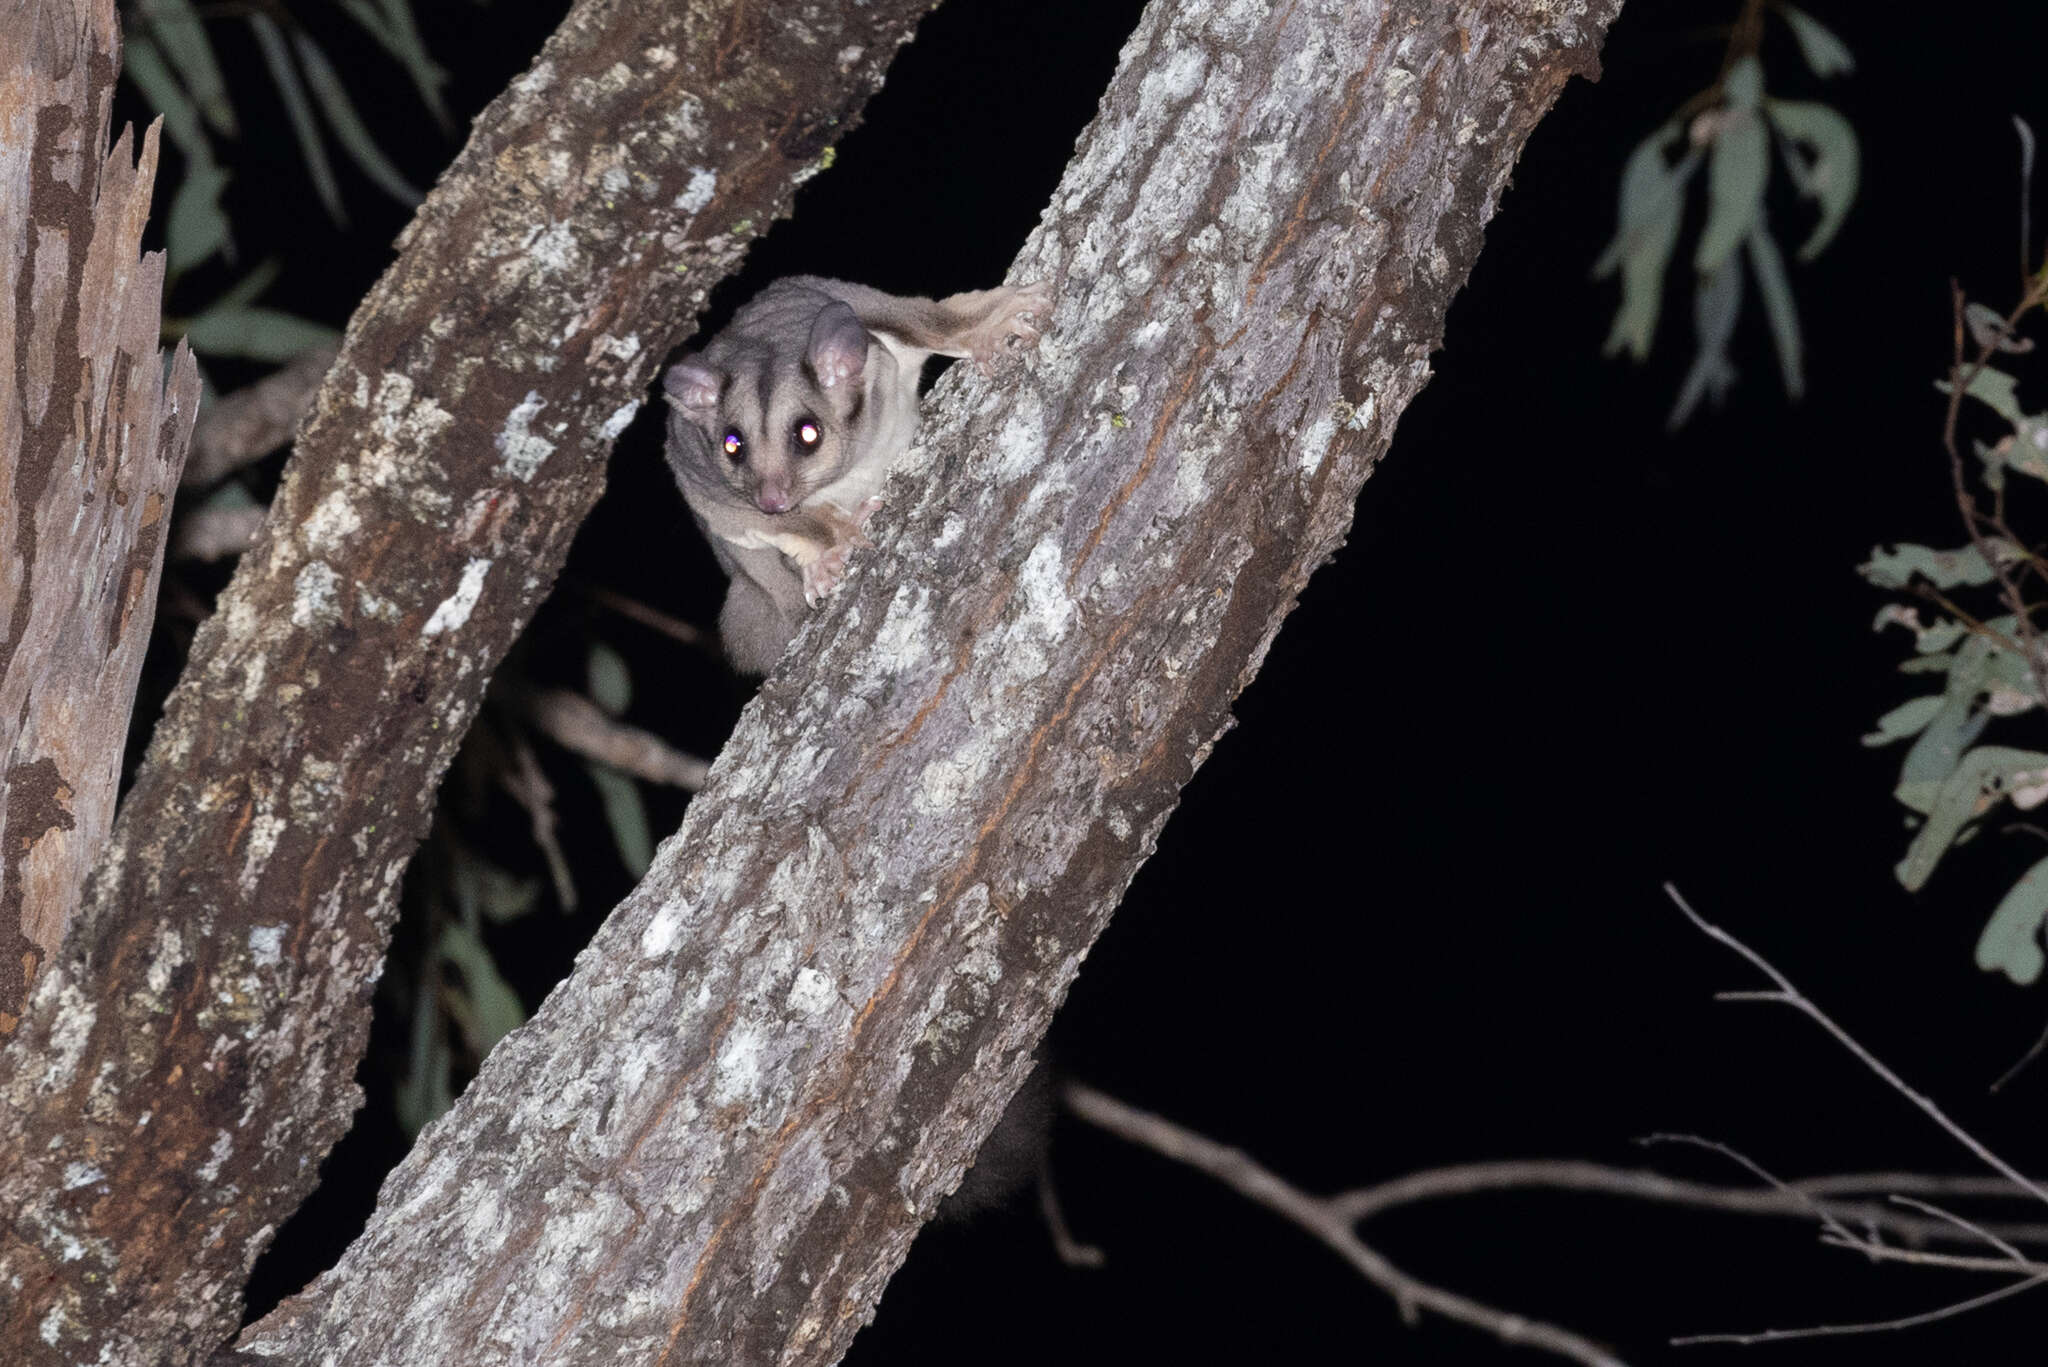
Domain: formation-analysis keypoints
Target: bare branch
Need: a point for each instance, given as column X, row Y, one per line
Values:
column 210, row 534
column 1326, row 1219
column 1872, row 1327
column 1798, row 1199
column 242, row 428
column 1791, row 996
column 577, row 724
column 1970, row 1226
column 634, row 610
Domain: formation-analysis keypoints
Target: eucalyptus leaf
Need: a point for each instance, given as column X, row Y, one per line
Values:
column 1995, row 389
column 277, row 57
column 250, row 287
column 1717, row 303
column 1652, row 202
column 2011, row 942
column 503, row 896
column 1933, row 756
column 258, row 334
column 610, row 681
column 425, row 1095
column 1907, row 719
column 348, row 126
column 498, row 1010
column 2027, row 452
column 627, row 816
column 1953, row 730
column 175, row 27
column 1736, row 172
column 227, row 497
column 395, row 32
column 1743, row 86
column 1825, row 54
column 1895, row 568
column 144, row 63
column 1837, row 164
column 1769, row 268
column 1983, row 779
column 198, row 226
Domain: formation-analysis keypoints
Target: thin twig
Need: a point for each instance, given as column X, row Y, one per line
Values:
column 1972, row 1226
column 1798, row 1199
column 634, row 610
column 1958, row 1262
column 1757, row 1170
column 2042, row 1043
column 1962, row 378
column 1971, row 624
column 1323, row 1219
column 579, row 725
column 1791, row 996
column 1871, row 1327
column 531, row 789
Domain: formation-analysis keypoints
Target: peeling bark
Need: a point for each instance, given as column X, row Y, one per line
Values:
column 714, row 1143
column 92, row 437
column 186, row 1060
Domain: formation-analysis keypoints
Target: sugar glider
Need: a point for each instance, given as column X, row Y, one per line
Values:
column 782, row 430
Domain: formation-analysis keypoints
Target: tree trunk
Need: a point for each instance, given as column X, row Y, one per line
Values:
column 92, row 437
column 714, row 1143
column 186, row 1061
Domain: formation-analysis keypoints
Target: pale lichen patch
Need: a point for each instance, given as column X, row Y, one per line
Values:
column 266, row 945
column 703, row 185
column 333, row 520
column 520, row 449
column 314, row 595
column 453, row 611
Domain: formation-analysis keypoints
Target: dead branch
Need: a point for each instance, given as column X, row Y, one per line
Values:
column 208, row 534
column 242, row 428
column 93, row 431
column 1328, row 1220
column 580, row 726
column 636, row 611
column 1788, row 995
column 1800, row 1200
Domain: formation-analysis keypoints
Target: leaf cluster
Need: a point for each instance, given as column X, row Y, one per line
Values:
column 1731, row 130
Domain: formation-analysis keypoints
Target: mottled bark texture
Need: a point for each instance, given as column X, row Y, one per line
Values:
column 92, row 437
column 714, row 1143
column 187, row 1059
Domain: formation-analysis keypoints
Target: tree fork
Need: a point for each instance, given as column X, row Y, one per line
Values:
column 714, row 1143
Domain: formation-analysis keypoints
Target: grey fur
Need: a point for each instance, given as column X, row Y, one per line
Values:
column 780, row 514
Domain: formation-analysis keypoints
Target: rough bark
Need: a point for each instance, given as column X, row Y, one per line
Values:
column 187, row 1060
column 92, row 437
column 714, row 1143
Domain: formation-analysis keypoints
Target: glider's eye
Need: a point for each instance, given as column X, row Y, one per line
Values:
column 808, row 433
column 734, row 445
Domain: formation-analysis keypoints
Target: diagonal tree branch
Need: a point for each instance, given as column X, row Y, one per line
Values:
column 186, row 1062
column 715, row 1142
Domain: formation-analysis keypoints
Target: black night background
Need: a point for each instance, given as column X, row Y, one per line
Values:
column 1409, row 912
